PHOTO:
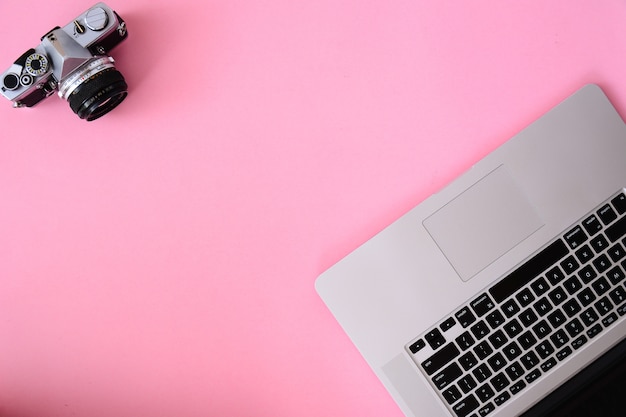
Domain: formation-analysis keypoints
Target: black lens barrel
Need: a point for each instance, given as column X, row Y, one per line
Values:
column 99, row 94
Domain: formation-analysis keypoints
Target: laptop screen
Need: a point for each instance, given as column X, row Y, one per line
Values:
column 597, row 390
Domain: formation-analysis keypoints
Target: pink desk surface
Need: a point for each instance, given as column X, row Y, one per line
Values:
column 161, row 261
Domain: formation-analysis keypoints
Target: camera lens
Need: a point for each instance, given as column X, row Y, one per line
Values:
column 95, row 89
column 98, row 95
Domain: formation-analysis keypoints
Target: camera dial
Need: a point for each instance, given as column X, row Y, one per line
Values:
column 36, row 64
column 10, row 82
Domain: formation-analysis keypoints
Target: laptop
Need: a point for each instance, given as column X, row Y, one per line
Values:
column 504, row 293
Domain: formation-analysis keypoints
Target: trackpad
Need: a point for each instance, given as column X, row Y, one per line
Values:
column 483, row 223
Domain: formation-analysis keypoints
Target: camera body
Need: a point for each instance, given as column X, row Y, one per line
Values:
column 73, row 61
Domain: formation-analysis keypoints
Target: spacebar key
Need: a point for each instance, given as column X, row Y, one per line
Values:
column 465, row 406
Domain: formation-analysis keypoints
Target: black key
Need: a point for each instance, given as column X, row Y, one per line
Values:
column 603, row 306
column 589, row 316
column 451, row 394
column 487, row 409
column 500, row 381
column 555, row 275
column 434, row 338
column 513, row 328
column 497, row 362
column 594, row 330
column 542, row 306
column 542, row 329
column 482, row 304
column 528, row 271
column 517, row 387
column 549, row 364
column 599, row 243
column 465, row 340
column 532, row 376
column 440, row 358
column 617, row 230
column 607, row 214
column 610, row 319
column 601, row 286
column 575, row 237
column 528, row 317
column 480, row 330
column 481, row 373
column 586, row 297
column 572, row 284
column 468, row 361
column 574, row 327
column 621, row 310
column 527, row 340
column 559, row 338
column 616, row 252
column 510, row 308
column 540, row 286
column 619, row 203
column 465, row 316
column 498, row 339
column 557, row 295
column 482, row 350
column 484, row 392
column 592, row 225
column 512, row 351
column 529, row 360
column 447, row 324
column 467, row 383
column 525, row 297
column 556, row 318
column 544, row 349
column 618, row 295
column 571, row 307
column 564, row 353
column 587, row 274
column 584, row 254
column 616, row 275
column 602, row 263
column 447, row 376
column 570, row 265
column 464, row 407
column 502, row 398
column 515, row 371
column 417, row 346
column 495, row 319
column 579, row 342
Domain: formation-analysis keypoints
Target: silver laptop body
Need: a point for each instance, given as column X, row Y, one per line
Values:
column 427, row 299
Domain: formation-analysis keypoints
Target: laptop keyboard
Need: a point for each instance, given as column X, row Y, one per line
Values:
column 532, row 320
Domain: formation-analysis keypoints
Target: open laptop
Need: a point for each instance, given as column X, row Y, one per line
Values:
column 504, row 293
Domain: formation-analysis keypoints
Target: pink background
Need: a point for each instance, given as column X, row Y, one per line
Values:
column 160, row 261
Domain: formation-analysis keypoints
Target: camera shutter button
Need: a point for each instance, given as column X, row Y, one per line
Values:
column 96, row 19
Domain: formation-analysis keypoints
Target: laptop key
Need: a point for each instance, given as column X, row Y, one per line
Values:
column 482, row 304
column 464, row 407
column 465, row 317
column 619, row 203
column 517, row 387
column 440, row 358
column 575, row 237
column 607, row 214
column 447, row 324
column 487, row 409
column 435, row 338
column 447, row 376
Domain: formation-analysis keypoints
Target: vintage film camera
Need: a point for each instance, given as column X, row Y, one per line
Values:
column 73, row 60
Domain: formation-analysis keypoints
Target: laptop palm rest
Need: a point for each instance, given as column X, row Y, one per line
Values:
column 491, row 217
